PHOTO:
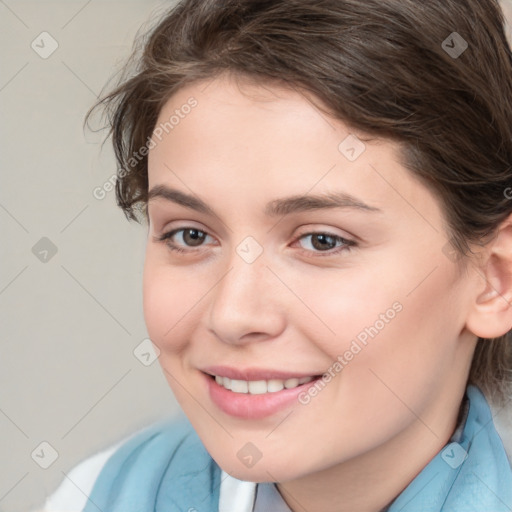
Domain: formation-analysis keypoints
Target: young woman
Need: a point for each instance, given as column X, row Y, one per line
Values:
column 327, row 187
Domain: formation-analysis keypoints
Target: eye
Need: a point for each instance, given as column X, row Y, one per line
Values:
column 320, row 242
column 190, row 235
column 323, row 242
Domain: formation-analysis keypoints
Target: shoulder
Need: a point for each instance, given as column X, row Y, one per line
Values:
column 74, row 490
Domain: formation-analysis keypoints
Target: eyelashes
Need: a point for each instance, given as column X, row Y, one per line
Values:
column 346, row 245
column 315, row 236
column 166, row 237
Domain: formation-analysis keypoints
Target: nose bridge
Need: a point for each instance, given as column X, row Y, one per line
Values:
column 244, row 301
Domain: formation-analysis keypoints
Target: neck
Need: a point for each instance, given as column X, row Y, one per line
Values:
column 370, row 482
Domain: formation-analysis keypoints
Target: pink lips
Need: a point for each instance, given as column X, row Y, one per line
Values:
column 245, row 405
column 253, row 373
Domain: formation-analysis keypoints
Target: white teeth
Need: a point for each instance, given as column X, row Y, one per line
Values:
column 239, row 386
column 291, row 383
column 259, row 387
column 275, row 385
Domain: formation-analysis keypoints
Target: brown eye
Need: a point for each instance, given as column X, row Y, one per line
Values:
column 326, row 243
column 323, row 242
column 191, row 237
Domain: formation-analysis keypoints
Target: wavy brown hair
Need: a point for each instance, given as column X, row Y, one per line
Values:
column 382, row 67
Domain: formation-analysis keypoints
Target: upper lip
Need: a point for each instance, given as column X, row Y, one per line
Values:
column 254, row 373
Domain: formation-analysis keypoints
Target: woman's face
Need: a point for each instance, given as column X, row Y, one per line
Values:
column 277, row 282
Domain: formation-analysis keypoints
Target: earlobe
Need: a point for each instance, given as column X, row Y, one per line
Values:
column 491, row 311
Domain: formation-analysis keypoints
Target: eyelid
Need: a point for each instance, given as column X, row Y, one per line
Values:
column 318, row 228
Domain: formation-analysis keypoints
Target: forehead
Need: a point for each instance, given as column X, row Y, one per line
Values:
column 236, row 110
column 265, row 141
column 236, row 120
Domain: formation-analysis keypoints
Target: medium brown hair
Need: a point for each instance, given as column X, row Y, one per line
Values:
column 383, row 67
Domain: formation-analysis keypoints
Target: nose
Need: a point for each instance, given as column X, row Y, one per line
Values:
column 246, row 304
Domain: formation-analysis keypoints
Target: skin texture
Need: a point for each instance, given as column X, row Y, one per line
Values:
column 370, row 431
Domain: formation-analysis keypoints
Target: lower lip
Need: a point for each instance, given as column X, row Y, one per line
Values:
column 247, row 406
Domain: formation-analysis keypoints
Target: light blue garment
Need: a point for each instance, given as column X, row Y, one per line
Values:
column 165, row 468
column 473, row 475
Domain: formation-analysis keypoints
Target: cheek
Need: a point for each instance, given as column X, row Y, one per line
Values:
column 415, row 353
column 343, row 304
column 390, row 319
column 168, row 304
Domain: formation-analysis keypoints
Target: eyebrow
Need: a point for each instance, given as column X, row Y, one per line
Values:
column 274, row 208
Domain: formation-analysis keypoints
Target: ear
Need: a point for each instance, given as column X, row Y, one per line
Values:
column 491, row 311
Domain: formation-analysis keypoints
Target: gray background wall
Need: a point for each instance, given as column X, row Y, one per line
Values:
column 71, row 272
column 70, row 320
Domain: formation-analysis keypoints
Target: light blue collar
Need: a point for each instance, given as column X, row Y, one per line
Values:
column 165, row 468
column 472, row 475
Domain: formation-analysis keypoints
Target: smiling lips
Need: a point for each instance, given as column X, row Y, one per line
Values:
column 254, row 393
